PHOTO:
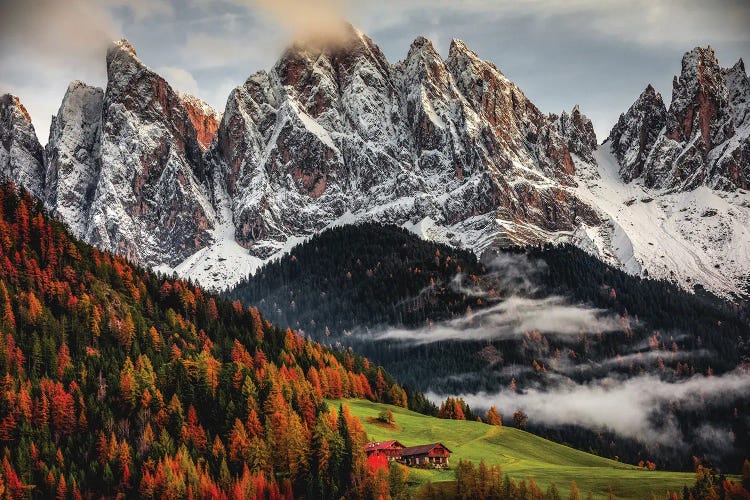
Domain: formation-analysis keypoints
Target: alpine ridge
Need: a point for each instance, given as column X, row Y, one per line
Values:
column 702, row 139
column 21, row 155
column 336, row 133
column 125, row 167
column 449, row 148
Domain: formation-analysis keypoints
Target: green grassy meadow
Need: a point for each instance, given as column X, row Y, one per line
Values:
column 521, row 455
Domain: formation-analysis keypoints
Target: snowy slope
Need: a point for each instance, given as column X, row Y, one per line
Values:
column 692, row 237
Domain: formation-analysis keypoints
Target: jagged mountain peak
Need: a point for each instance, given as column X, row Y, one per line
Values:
column 21, row 155
column 703, row 140
column 341, row 132
column 13, row 101
column 74, row 85
column 458, row 48
column 650, row 97
column 119, row 48
column 738, row 88
column 125, row 166
column 422, row 58
column 699, row 55
column 578, row 130
column 736, row 78
column 650, row 91
column 72, row 155
column 700, row 72
column 636, row 131
column 419, row 45
column 346, row 38
column 330, row 61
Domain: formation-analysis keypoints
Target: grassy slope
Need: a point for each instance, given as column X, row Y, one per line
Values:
column 521, row 455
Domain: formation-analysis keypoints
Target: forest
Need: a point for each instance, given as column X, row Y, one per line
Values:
column 355, row 277
column 348, row 284
column 119, row 381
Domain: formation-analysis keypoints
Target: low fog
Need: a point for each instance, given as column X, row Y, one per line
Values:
column 633, row 408
column 508, row 272
column 512, row 318
column 514, row 309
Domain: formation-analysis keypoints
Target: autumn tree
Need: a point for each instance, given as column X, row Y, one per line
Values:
column 575, row 494
column 386, row 416
column 493, row 417
column 397, row 396
column 520, row 419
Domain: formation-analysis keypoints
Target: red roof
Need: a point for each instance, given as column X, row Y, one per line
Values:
column 383, row 445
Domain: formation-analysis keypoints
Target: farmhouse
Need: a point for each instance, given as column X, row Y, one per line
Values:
column 435, row 455
column 426, row 455
column 391, row 449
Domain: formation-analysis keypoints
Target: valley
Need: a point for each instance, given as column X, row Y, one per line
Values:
column 367, row 262
column 520, row 454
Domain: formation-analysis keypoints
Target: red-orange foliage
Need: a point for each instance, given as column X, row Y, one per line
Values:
column 211, row 310
column 78, row 312
column 239, row 442
column 63, row 360
column 13, row 484
column 193, row 432
column 376, row 461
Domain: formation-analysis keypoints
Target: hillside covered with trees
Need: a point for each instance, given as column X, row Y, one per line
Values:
column 377, row 289
column 119, row 381
column 356, row 277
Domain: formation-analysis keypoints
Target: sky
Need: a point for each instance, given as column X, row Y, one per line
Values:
column 599, row 54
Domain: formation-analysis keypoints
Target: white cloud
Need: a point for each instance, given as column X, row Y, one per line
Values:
column 180, row 79
column 209, row 50
column 513, row 318
column 56, row 32
column 623, row 406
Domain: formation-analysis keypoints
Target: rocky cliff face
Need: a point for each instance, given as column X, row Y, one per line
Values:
column 636, row 132
column 578, row 131
column 447, row 147
column 336, row 132
column 21, row 155
column 125, row 167
column 73, row 155
column 151, row 193
column 204, row 118
column 702, row 139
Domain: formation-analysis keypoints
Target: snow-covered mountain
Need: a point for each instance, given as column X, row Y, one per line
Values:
column 125, row 168
column 702, row 139
column 337, row 133
column 680, row 208
column 450, row 148
column 21, row 155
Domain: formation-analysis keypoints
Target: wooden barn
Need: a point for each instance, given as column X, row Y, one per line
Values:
column 426, row 455
column 391, row 449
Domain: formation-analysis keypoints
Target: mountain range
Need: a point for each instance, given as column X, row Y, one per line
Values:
column 449, row 148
